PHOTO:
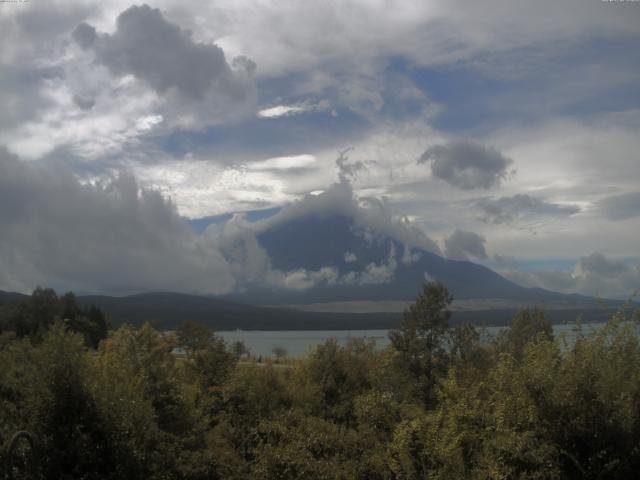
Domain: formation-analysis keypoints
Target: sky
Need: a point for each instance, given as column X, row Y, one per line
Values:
column 143, row 141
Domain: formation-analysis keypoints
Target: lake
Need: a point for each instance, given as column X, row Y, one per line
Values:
column 299, row 343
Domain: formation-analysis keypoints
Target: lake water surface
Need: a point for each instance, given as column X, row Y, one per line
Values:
column 299, row 343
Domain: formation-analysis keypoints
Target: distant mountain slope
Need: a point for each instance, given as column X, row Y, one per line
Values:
column 11, row 296
column 169, row 310
column 336, row 241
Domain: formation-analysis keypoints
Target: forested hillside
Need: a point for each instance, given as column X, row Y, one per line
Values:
column 440, row 402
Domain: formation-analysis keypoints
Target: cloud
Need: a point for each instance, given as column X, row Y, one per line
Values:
column 84, row 103
column 371, row 215
column 507, row 210
column 505, row 261
column 595, row 274
column 238, row 241
column 29, row 57
column 551, row 279
column 84, row 91
column 621, row 207
column 348, row 170
column 350, row 257
column 280, row 164
column 467, row 165
column 463, row 244
column 295, row 109
column 598, row 264
column 112, row 237
column 164, row 56
column 374, row 273
column 302, row 279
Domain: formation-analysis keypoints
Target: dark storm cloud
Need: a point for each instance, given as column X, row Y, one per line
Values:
column 509, row 209
column 621, row 207
column 114, row 237
column 463, row 244
column 467, row 165
column 164, row 56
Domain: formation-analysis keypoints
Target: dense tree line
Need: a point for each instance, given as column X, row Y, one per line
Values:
column 440, row 402
column 33, row 316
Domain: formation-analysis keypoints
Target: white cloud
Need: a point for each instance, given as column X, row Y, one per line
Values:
column 350, row 257
column 463, row 244
column 521, row 206
column 281, row 111
column 594, row 274
column 284, row 163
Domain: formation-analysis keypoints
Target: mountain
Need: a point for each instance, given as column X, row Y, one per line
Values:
column 6, row 297
column 169, row 310
column 370, row 265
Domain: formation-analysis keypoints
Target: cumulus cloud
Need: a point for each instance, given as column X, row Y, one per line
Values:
column 374, row 273
column 463, row 245
column 621, row 207
column 111, row 237
column 67, row 85
column 595, row 274
column 238, row 241
column 164, row 56
column 302, row 279
column 506, row 210
column 467, row 165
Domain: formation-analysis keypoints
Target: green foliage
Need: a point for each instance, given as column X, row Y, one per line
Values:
column 334, row 376
column 440, row 402
column 420, row 339
column 33, row 316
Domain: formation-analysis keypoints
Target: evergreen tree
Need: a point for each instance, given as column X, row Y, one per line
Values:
column 420, row 339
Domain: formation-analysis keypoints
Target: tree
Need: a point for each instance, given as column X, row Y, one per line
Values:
column 420, row 339
column 279, row 351
column 239, row 349
column 91, row 322
column 528, row 325
column 194, row 336
column 207, row 353
column 34, row 315
column 333, row 376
